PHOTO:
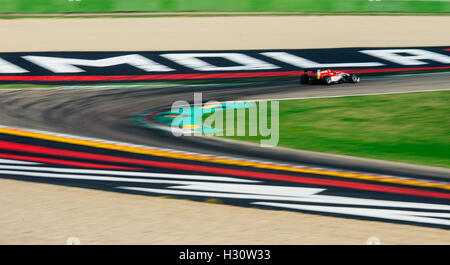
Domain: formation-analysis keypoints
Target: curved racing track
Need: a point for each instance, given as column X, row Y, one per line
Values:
column 279, row 179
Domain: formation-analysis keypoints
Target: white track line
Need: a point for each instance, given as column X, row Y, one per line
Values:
column 410, row 216
column 207, row 190
column 126, row 173
column 17, row 162
column 92, row 177
column 341, row 96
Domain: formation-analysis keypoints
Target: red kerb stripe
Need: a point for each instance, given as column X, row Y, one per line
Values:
column 63, row 162
column 96, row 78
column 224, row 171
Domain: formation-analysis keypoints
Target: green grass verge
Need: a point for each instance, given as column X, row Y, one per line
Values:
column 413, row 128
column 81, row 6
column 23, row 86
column 157, row 15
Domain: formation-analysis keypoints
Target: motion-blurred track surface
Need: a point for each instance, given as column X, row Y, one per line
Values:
column 305, row 184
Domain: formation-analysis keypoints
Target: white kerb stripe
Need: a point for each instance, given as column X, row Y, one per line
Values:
column 18, row 162
column 126, row 173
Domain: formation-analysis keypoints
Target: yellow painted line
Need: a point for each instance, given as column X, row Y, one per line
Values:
column 210, row 106
column 213, row 159
column 190, row 126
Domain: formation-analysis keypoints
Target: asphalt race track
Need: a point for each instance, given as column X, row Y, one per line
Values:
column 55, row 136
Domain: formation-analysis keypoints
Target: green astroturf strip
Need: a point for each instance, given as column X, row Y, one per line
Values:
column 63, row 6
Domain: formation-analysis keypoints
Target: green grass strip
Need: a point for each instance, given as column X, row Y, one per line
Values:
column 413, row 127
column 81, row 6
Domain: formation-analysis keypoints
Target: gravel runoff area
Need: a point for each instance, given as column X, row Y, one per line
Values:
column 213, row 33
column 32, row 213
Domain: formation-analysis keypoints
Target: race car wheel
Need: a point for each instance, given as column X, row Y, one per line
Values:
column 304, row 79
column 327, row 80
column 354, row 78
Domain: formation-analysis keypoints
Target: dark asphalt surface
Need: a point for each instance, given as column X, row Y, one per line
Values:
column 105, row 113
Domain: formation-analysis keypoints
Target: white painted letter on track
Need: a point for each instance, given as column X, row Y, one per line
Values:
column 9, row 68
column 67, row 65
column 408, row 56
column 193, row 61
column 305, row 63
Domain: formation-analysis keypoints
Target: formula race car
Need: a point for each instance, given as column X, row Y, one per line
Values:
column 327, row 77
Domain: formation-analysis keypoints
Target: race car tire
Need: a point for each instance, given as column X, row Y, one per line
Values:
column 354, row 78
column 327, row 80
column 304, row 79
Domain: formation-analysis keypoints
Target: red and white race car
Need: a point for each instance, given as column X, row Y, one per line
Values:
column 327, row 77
